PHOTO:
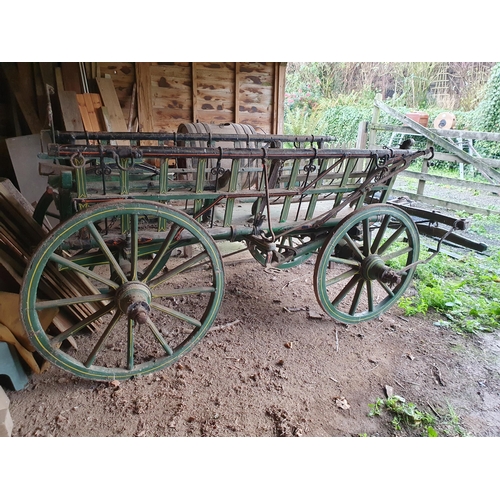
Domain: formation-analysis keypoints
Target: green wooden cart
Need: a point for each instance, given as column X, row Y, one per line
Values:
column 142, row 215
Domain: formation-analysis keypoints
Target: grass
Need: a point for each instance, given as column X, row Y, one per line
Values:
column 466, row 291
column 407, row 417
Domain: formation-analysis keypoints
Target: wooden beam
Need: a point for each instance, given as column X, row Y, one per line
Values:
column 71, row 77
column 279, row 101
column 84, row 113
column 237, row 79
column 436, row 202
column 89, row 104
column 144, row 97
column 451, row 181
column 59, row 80
column 30, row 115
column 48, row 74
column 452, row 133
column 112, row 104
column 41, row 95
column 70, row 111
column 194, row 87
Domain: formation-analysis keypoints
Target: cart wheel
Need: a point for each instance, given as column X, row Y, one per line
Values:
column 147, row 304
column 285, row 247
column 356, row 277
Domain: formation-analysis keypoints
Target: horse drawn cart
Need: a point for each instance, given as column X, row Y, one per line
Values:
column 141, row 216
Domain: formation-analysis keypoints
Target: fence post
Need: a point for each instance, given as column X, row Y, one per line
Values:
column 376, row 114
column 362, row 137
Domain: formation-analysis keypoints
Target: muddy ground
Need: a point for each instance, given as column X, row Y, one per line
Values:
column 274, row 365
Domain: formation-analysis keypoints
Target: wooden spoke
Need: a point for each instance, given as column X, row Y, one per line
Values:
column 157, row 263
column 58, row 339
column 102, row 339
column 397, row 253
column 159, row 337
column 391, row 239
column 175, row 314
column 352, row 283
column 179, row 269
column 184, row 291
column 380, row 233
column 82, row 270
column 357, row 296
column 366, row 237
column 106, row 251
column 134, row 245
column 341, row 277
column 354, row 247
column 47, row 304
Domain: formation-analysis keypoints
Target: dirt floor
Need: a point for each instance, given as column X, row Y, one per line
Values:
column 274, row 365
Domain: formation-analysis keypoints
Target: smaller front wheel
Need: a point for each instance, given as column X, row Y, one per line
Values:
column 360, row 271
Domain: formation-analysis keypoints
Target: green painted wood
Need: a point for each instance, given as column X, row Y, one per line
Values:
column 290, row 185
column 233, row 185
column 314, row 197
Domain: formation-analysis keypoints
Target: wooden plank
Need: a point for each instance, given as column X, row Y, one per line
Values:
column 132, row 112
column 72, row 119
column 48, row 74
column 27, row 79
column 194, row 93
column 89, row 104
column 71, row 77
column 112, row 104
column 279, row 102
column 59, row 80
column 144, row 98
column 97, row 103
column 439, row 179
column 41, row 95
column 436, row 202
column 87, row 124
column 23, row 153
column 29, row 112
column 452, row 133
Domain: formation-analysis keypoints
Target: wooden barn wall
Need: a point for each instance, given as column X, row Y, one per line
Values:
column 176, row 93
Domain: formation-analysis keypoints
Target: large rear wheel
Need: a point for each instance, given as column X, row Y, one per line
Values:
column 147, row 303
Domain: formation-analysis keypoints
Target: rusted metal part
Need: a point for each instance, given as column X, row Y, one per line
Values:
column 71, row 137
column 137, row 152
column 431, row 215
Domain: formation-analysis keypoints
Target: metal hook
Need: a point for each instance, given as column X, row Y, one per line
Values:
column 77, row 159
column 432, row 154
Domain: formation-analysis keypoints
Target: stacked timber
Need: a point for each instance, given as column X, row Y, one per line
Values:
column 19, row 237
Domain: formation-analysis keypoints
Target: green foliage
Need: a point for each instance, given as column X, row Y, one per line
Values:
column 332, row 98
column 466, row 292
column 404, row 414
column 487, row 114
column 305, row 121
column 486, row 225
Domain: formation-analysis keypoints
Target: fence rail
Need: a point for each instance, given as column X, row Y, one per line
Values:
column 369, row 137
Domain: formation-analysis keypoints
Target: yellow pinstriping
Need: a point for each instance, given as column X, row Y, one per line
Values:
column 157, row 211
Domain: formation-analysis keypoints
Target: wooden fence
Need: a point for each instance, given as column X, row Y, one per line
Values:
column 369, row 135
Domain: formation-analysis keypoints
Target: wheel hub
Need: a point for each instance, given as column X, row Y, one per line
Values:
column 133, row 299
column 373, row 267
